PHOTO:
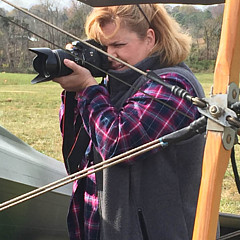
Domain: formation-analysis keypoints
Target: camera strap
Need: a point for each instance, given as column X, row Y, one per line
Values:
column 73, row 131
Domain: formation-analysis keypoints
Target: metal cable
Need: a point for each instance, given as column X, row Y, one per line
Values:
column 107, row 73
column 182, row 134
column 147, row 74
column 83, row 173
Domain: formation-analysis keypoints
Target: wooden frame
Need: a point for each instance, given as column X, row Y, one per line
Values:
column 216, row 157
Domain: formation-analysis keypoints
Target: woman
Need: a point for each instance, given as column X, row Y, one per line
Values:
column 153, row 196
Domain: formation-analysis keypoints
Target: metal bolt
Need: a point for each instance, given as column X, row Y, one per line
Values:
column 234, row 94
column 215, row 111
column 228, row 139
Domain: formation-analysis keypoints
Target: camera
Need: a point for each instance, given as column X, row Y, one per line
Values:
column 49, row 63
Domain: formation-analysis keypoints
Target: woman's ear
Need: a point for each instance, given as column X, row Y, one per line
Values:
column 150, row 38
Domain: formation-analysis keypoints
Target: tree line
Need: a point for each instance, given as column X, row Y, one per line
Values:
column 205, row 28
column 203, row 25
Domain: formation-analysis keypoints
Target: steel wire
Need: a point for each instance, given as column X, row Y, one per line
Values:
column 83, row 173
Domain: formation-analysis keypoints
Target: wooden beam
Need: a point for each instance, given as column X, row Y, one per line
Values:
column 216, row 157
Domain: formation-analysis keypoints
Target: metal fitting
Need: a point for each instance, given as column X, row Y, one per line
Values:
column 215, row 111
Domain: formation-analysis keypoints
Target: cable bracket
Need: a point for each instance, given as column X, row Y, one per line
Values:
column 221, row 117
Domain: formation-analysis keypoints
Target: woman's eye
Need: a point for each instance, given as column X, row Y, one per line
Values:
column 119, row 45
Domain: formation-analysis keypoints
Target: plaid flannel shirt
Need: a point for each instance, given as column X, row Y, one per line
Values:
column 112, row 132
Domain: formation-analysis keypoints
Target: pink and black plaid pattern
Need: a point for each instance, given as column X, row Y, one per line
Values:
column 113, row 131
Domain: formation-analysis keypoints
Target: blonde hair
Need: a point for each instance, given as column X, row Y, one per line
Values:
column 171, row 44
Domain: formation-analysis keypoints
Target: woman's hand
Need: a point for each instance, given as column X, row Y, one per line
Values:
column 80, row 79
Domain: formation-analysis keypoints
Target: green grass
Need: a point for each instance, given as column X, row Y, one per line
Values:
column 206, row 79
column 31, row 113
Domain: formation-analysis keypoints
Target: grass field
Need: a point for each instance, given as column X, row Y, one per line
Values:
column 31, row 113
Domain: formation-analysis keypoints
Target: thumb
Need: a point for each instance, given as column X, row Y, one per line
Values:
column 70, row 64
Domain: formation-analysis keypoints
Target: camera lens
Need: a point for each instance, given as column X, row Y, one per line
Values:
column 49, row 64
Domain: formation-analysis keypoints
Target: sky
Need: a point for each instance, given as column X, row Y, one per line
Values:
column 28, row 3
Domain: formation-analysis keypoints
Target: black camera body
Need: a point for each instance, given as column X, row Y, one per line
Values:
column 49, row 63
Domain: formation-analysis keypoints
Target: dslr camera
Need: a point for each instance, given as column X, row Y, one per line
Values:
column 49, row 63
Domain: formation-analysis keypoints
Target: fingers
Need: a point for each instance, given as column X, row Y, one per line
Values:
column 80, row 79
column 70, row 64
